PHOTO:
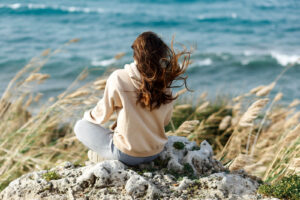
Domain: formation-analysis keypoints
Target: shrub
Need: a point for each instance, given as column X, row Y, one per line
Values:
column 51, row 175
column 286, row 188
column 178, row 145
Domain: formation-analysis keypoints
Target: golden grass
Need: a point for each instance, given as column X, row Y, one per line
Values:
column 248, row 118
column 265, row 90
column 249, row 137
column 37, row 142
column 264, row 142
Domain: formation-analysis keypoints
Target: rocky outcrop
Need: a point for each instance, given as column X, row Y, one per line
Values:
column 182, row 171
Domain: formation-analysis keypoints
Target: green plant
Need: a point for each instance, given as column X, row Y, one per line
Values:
column 160, row 162
column 51, row 175
column 4, row 184
column 286, row 188
column 178, row 145
column 188, row 169
column 195, row 148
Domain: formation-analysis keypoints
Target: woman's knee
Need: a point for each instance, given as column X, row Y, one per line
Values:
column 79, row 127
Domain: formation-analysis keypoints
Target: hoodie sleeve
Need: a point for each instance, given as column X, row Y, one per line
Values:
column 108, row 104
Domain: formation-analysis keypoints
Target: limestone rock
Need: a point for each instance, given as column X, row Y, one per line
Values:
column 159, row 179
column 201, row 161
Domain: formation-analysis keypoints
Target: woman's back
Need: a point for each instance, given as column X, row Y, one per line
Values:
column 139, row 132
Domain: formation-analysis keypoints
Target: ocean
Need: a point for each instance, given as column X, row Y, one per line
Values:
column 238, row 44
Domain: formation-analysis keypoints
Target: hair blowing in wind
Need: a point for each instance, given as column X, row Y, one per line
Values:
column 159, row 66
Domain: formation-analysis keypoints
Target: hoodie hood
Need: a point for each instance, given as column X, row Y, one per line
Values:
column 134, row 74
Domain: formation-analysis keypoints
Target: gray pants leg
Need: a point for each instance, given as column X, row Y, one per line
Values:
column 95, row 137
column 99, row 139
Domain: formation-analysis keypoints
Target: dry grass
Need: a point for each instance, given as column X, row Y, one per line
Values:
column 41, row 141
column 263, row 139
column 251, row 114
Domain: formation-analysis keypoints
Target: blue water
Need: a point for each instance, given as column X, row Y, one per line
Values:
column 240, row 44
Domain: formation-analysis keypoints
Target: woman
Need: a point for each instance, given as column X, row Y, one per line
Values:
column 142, row 97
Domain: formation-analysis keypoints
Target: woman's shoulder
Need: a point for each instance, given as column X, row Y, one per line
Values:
column 120, row 80
column 117, row 75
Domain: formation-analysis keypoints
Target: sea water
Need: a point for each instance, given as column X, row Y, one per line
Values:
column 238, row 44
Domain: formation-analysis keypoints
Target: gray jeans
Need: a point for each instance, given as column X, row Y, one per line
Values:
column 99, row 139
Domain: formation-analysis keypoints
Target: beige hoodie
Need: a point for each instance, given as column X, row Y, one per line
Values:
column 139, row 132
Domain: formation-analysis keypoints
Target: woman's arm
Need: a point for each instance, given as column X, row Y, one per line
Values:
column 107, row 105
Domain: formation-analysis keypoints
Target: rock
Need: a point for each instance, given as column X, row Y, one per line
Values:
column 184, row 184
column 148, row 174
column 169, row 178
column 229, row 186
column 203, row 178
column 137, row 186
column 201, row 161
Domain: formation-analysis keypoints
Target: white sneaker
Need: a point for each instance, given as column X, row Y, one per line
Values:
column 94, row 157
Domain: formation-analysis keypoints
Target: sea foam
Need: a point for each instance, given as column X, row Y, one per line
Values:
column 285, row 59
column 70, row 9
column 200, row 63
column 103, row 63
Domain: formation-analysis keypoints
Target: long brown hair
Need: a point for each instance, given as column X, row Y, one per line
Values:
column 159, row 66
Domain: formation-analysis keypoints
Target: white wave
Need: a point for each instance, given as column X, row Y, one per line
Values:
column 15, row 6
column 233, row 15
column 70, row 9
column 103, row 63
column 85, row 10
column 73, row 9
column 248, row 53
column 245, row 61
column 36, row 6
column 285, row 59
column 205, row 62
column 203, row 17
